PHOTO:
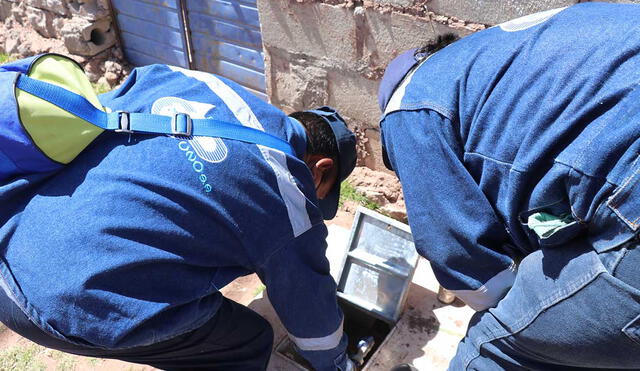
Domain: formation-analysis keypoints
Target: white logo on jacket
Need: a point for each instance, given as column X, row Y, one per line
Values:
column 208, row 149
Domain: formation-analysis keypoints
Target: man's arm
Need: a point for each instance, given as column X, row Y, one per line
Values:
column 303, row 293
column 453, row 224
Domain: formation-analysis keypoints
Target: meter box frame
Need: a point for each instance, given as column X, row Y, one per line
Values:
column 375, row 274
column 378, row 266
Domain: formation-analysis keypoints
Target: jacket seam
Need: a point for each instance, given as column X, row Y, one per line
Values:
column 501, row 162
column 581, row 172
column 426, row 105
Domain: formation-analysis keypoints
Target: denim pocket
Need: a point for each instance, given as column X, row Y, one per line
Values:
column 559, row 235
column 563, row 235
column 625, row 201
column 545, row 278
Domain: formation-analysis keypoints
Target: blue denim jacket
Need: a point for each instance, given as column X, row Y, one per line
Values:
column 537, row 114
column 130, row 243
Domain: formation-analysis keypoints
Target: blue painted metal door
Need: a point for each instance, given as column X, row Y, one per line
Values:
column 218, row 36
column 152, row 31
column 226, row 40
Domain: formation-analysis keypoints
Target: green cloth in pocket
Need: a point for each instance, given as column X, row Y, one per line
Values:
column 545, row 224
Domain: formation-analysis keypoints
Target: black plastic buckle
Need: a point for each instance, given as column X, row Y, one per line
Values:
column 124, row 124
column 181, row 125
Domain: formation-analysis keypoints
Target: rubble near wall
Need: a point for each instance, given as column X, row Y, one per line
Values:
column 81, row 29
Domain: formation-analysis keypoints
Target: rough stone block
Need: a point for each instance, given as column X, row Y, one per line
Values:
column 354, row 96
column 5, row 10
column 312, row 29
column 396, row 211
column 90, row 9
column 55, row 6
column 373, row 149
column 295, row 84
column 390, row 34
column 493, row 11
column 11, row 45
column 83, row 37
column 58, row 23
column 18, row 12
column 94, row 68
column 366, row 180
column 113, row 66
column 42, row 22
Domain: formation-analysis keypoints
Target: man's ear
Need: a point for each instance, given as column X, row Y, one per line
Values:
column 319, row 166
column 324, row 164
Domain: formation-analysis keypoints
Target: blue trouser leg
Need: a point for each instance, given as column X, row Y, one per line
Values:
column 570, row 308
column 236, row 338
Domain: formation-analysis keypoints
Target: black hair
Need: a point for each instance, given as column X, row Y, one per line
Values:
column 320, row 137
column 432, row 47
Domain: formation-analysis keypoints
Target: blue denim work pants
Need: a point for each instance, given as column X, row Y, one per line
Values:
column 569, row 308
column 236, row 338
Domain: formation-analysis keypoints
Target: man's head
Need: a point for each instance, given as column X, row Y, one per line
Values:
column 330, row 154
column 400, row 67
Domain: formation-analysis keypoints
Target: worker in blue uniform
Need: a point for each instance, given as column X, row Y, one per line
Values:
column 518, row 152
column 122, row 253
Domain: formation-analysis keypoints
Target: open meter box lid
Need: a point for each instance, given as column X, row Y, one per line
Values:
column 378, row 265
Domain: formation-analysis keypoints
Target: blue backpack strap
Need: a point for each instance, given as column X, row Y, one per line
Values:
column 134, row 122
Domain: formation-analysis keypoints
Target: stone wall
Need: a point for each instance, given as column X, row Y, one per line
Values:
column 334, row 51
column 81, row 29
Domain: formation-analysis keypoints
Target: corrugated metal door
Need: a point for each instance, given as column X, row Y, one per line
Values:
column 152, row 31
column 218, row 36
column 226, row 40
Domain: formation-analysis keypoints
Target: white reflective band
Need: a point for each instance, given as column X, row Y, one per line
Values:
column 293, row 198
column 396, row 98
column 491, row 292
column 528, row 21
column 324, row 343
column 234, row 102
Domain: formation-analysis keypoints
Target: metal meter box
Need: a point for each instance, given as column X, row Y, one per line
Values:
column 373, row 282
column 378, row 266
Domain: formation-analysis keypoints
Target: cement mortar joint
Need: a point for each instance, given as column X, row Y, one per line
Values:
column 362, row 67
column 303, row 59
column 417, row 10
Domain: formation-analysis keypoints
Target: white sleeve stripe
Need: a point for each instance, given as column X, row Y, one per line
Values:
column 234, row 102
column 528, row 21
column 396, row 97
column 491, row 292
column 293, row 198
column 324, row 343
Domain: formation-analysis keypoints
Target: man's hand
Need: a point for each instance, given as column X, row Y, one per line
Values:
column 350, row 365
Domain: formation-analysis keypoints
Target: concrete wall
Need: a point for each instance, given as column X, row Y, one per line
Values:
column 81, row 29
column 334, row 52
